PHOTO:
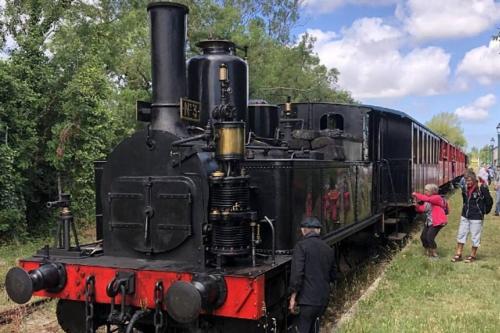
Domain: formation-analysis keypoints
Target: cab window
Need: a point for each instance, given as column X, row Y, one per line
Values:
column 331, row 121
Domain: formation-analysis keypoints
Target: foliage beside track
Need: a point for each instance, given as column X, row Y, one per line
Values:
column 418, row 294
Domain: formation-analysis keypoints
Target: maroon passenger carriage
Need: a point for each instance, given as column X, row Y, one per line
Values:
column 197, row 214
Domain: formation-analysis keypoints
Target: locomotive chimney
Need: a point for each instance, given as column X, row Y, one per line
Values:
column 168, row 64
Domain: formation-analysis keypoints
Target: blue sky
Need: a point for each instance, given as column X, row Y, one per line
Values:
column 422, row 57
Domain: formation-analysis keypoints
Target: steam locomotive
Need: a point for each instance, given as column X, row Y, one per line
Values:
column 197, row 214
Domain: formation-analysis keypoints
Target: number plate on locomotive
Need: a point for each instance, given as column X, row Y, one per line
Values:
column 190, row 110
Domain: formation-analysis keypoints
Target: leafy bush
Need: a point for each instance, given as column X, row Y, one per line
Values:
column 12, row 207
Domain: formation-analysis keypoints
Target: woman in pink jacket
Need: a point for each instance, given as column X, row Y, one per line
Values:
column 435, row 209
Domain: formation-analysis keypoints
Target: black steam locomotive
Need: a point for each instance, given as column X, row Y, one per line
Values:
column 197, row 213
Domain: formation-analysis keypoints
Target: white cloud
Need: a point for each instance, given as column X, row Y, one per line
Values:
column 478, row 110
column 482, row 63
column 326, row 6
column 372, row 65
column 448, row 19
column 322, row 37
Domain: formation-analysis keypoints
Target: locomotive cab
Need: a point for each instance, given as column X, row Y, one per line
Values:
column 341, row 127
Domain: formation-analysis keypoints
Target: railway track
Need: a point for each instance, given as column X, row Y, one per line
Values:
column 7, row 316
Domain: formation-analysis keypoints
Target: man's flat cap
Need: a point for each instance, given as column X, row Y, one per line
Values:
column 310, row 222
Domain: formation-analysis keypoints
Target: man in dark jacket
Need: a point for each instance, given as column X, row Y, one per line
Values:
column 477, row 203
column 313, row 268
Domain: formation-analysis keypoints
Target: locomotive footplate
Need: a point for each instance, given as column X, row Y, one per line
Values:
column 243, row 295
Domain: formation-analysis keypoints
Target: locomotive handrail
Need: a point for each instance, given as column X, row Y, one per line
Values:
column 304, row 151
column 186, row 140
column 408, row 182
column 267, row 148
column 255, row 138
column 273, row 246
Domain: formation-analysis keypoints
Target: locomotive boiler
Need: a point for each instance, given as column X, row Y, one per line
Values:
column 197, row 213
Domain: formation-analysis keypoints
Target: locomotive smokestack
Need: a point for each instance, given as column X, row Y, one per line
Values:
column 168, row 64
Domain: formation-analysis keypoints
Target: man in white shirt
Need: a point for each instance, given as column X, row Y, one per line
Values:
column 483, row 174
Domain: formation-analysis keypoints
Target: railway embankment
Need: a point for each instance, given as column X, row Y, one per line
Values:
column 419, row 294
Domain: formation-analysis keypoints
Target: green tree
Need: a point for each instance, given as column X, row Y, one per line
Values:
column 84, row 134
column 27, row 80
column 448, row 125
column 484, row 154
column 12, row 205
column 56, row 108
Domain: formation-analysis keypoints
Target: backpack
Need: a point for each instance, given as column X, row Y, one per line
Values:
column 487, row 199
column 446, row 208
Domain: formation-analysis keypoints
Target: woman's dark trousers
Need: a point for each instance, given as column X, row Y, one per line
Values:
column 428, row 236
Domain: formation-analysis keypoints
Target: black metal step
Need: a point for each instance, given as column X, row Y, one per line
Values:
column 397, row 236
column 391, row 221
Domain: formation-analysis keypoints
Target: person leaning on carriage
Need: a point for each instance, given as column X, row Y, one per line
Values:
column 313, row 268
column 477, row 203
column 435, row 209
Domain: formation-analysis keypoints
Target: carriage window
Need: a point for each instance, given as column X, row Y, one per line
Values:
column 424, row 150
column 420, row 147
column 427, row 146
column 415, row 145
column 434, row 157
column 431, row 155
column 444, row 151
column 436, row 150
column 427, row 157
column 431, row 148
column 331, row 121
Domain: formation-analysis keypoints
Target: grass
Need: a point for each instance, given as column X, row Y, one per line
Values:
column 11, row 252
column 418, row 294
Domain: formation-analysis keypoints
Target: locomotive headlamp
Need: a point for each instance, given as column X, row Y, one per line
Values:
column 20, row 284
